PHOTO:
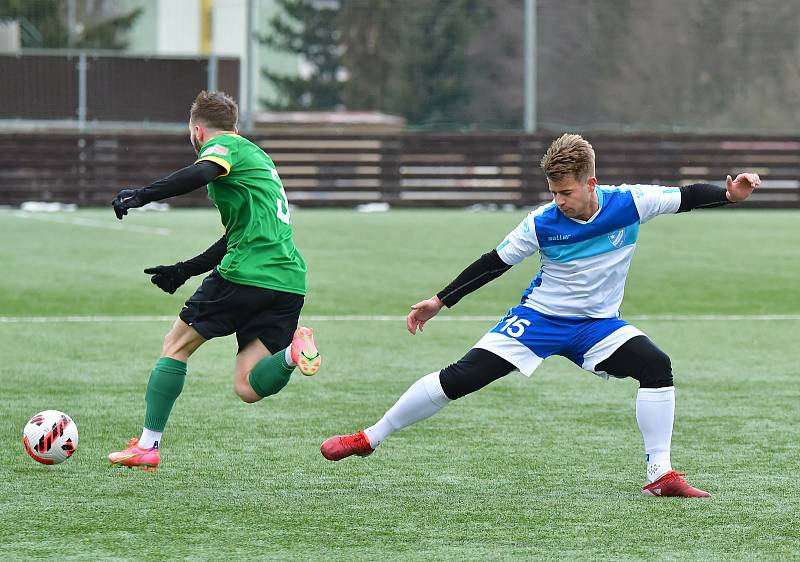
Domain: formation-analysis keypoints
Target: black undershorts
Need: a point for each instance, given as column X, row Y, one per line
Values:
column 638, row 358
column 220, row 307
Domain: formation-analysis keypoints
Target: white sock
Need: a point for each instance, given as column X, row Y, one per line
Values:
column 287, row 356
column 655, row 413
column 423, row 399
column 149, row 438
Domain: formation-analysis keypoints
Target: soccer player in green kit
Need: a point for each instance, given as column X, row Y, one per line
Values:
column 257, row 282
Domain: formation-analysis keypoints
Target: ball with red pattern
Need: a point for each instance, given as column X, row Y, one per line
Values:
column 50, row 437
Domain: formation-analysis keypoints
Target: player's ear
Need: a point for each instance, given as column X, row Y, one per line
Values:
column 591, row 183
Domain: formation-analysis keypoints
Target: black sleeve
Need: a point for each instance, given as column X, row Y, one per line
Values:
column 702, row 196
column 208, row 260
column 487, row 267
column 184, row 180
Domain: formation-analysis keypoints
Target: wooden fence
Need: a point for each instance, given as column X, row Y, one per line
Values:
column 409, row 169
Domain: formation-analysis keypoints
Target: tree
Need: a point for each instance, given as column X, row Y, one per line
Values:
column 684, row 65
column 408, row 57
column 430, row 85
column 405, row 57
column 369, row 35
column 496, row 72
column 46, row 23
column 102, row 32
column 308, row 28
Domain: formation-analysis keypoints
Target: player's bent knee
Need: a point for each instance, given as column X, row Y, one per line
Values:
column 245, row 392
column 448, row 378
column 658, row 370
column 640, row 359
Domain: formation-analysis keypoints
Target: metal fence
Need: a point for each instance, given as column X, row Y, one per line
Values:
column 85, row 87
column 409, row 169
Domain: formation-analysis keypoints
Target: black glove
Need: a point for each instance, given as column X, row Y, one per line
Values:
column 129, row 199
column 168, row 277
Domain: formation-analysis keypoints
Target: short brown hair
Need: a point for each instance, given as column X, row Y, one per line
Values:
column 569, row 155
column 217, row 110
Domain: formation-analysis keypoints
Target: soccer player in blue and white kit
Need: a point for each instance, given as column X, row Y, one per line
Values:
column 586, row 238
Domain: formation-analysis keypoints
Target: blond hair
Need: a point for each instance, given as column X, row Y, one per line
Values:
column 216, row 110
column 569, row 155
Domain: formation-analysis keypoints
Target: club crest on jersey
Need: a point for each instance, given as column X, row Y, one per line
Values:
column 617, row 238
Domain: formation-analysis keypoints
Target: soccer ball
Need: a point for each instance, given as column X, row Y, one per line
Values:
column 50, row 437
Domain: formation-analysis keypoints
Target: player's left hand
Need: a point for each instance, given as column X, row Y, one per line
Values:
column 128, row 199
column 740, row 188
column 168, row 278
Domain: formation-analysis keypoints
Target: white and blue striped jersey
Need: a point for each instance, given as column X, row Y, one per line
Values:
column 584, row 264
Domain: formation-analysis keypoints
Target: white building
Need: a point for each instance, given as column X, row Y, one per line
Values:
column 211, row 27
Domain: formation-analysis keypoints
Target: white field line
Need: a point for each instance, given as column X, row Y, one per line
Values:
column 396, row 318
column 109, row 225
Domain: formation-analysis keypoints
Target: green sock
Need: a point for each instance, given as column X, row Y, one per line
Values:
column 270, row 374
column 164, row 387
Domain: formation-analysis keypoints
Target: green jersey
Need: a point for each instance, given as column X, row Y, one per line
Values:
column 254, row 210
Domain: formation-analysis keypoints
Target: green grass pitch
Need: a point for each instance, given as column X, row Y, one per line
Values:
column 542, row 468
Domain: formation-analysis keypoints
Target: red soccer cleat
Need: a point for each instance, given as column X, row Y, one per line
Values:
column 340, row 446
column 672, row 485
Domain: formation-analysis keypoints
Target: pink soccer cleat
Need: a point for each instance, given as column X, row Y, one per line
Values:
column 136, row 457
column 671, row 484
column 303, row 351
column 340, row 446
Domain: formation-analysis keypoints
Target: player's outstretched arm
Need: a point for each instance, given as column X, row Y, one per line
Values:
column 706, row 195
column 169, row 278
column 183, row 181
column 487, row 267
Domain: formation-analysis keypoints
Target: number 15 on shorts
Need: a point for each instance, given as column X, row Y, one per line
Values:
column 514, row 326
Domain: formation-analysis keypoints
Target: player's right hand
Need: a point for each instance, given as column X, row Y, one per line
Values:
column 740, row 188
column 168, row 277
column 128, row 199
column 422, row 312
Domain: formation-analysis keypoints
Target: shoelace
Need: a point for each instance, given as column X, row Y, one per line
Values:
column 672, row 475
